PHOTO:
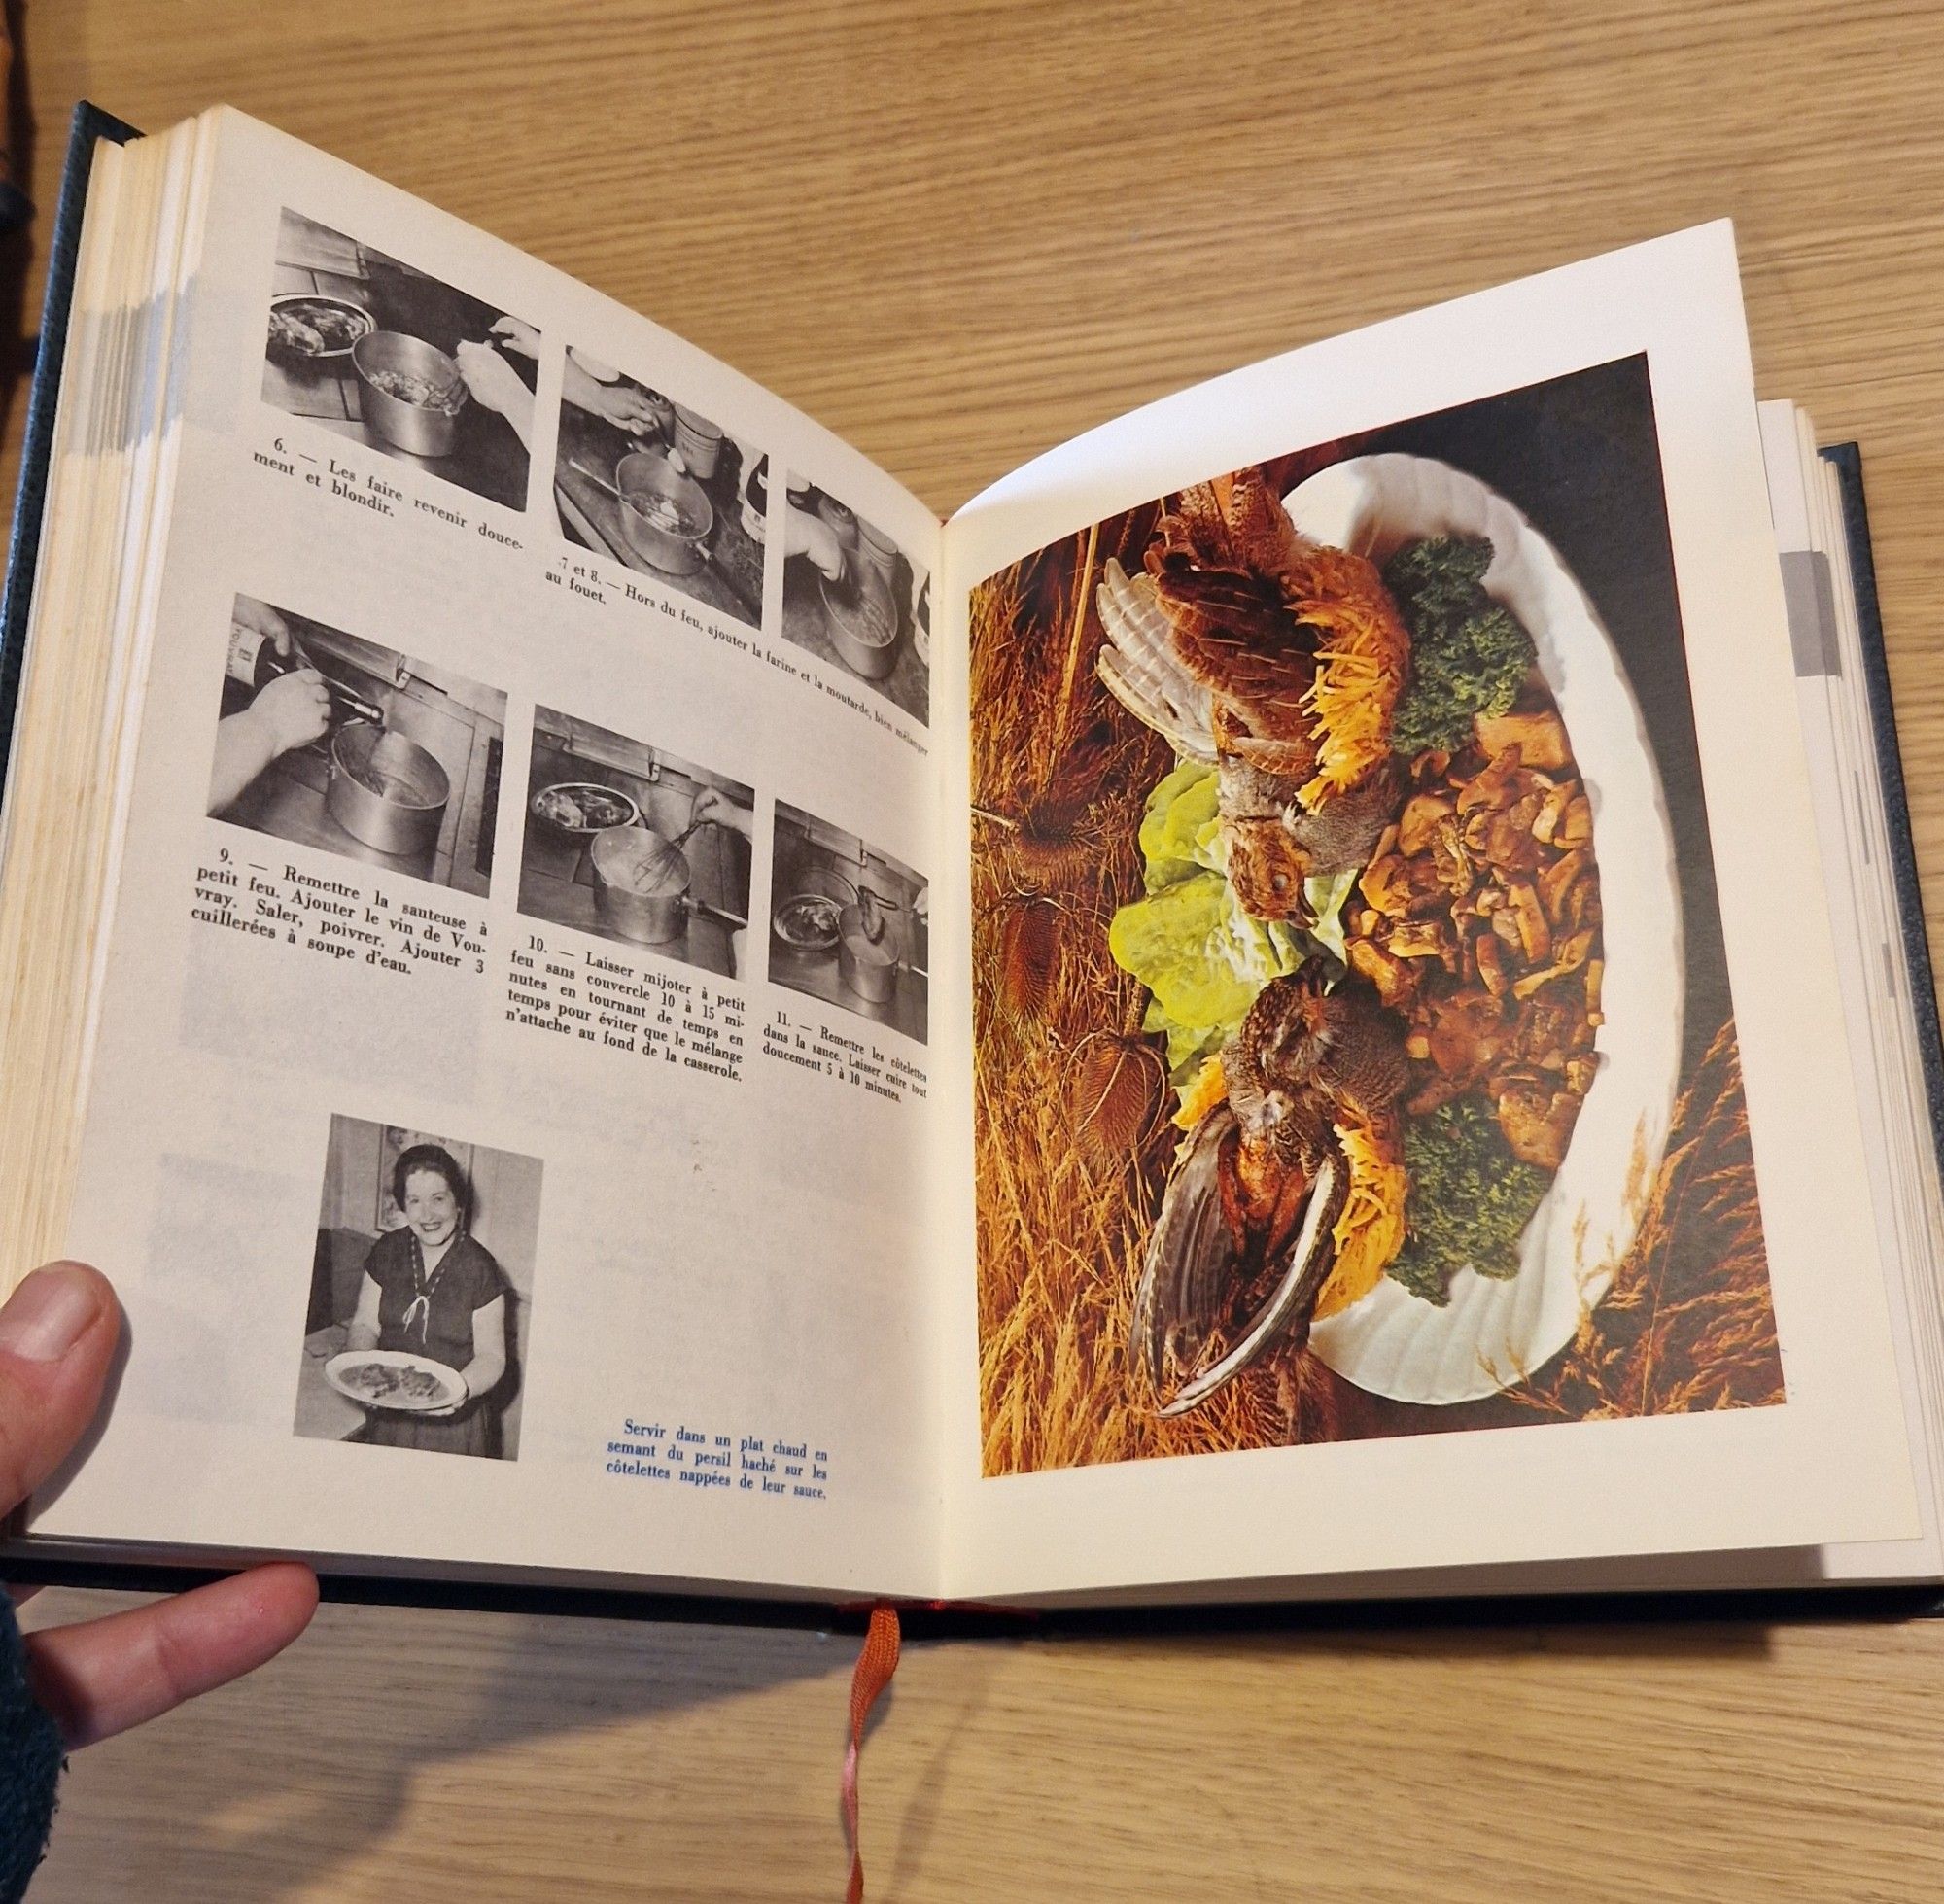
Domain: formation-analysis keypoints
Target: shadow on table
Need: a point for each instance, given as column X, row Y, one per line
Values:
column 266, row 1789
column 274, row 1788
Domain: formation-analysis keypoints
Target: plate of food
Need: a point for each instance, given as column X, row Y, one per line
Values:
column 392, row 1378
column 580, row 808
column 1412, row 928
column 314, row 328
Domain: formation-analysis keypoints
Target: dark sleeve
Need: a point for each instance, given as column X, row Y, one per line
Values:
column 486, row 1280
column 30, row 1764
column 382, row 1262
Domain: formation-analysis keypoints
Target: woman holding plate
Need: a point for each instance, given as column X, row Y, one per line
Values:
column 430, row 1289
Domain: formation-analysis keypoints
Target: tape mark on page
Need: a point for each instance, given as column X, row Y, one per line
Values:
column 1810, row 595
column 147, row 397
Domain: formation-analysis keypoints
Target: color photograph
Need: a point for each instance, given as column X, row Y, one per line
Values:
column 1354, row 1049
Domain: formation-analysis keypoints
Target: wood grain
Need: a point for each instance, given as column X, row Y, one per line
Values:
column 957, row 233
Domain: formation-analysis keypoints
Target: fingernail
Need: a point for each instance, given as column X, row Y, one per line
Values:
column 49, row 1313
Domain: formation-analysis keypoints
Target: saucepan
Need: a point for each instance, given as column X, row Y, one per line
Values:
column 870, row 947
column 864, row 620
column 866, row 934
column 641, row 885
column 409, row 391
column 384, row 789
column 666, row 515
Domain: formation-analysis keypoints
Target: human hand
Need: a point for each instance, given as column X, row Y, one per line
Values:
column 624, row 404
column 516, row 336
column 248, row 612
column 59, row 1333
column 496, row 384
column 293, row 710
column 712, row 803
column 810, row 535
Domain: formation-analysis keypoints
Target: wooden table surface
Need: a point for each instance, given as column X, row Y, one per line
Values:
column 957, row 233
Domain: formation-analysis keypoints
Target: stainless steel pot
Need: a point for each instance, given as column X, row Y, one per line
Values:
column 424, row 430
column 384, row 789
column 647, row 482
column 863, row 621
column 641, row 886
column 870, row 947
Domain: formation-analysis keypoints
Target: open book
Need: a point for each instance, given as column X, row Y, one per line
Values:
column 1321, row 992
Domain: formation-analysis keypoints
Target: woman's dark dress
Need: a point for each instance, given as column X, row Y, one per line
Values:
column 466, row 1279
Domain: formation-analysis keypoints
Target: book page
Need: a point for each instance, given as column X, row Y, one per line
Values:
column 1407, row 1122
column 510, row 1117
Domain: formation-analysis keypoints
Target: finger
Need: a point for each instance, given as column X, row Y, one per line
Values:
column 18, row 1595
column 104, row 1676
column 57, row 1335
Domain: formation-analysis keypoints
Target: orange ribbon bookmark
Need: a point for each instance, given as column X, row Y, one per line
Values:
column 876, row 1663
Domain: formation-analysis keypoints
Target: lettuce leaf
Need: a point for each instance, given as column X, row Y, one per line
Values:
column 1181, row 829
column 1325, row 895
column 1201, row 957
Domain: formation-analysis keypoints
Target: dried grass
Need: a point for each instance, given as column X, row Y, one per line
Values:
column 1062, row 782
column 1058, row 778
column 1688, row 1323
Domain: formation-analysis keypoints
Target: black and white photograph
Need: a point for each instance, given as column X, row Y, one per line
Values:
column 421, row 1286
column 374, row 351
column 628, row 841
column 855, row 598
column 330, row 740
column 642, row 477
column 849, row 923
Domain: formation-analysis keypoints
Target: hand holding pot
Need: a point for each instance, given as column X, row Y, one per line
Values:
column 289, row 711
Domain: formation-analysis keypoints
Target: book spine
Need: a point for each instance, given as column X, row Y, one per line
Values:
column 1847, row 462
column 89, row 125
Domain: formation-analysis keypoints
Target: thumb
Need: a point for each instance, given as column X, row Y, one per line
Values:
column 57, row 1335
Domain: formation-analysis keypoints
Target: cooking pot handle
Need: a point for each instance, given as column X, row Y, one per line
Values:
column 717, row 913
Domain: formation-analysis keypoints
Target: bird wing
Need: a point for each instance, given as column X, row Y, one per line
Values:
column 1192, row 1256
column 1140, row 668
column 1293, row 1301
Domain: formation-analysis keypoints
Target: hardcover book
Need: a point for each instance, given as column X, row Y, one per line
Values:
column 1320, row 994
